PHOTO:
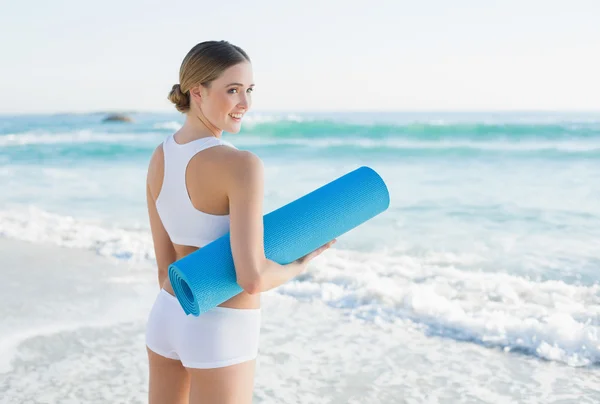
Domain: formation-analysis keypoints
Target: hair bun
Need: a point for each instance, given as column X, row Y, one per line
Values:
column 179, row 98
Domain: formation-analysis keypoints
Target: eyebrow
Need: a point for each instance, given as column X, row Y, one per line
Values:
column 238, row 84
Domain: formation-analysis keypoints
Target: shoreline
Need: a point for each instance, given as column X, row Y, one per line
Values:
column 85, row 342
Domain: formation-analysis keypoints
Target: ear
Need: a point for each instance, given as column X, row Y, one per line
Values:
column 196, row 94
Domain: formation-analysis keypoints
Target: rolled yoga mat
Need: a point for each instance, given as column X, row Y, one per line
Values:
column 206, row 278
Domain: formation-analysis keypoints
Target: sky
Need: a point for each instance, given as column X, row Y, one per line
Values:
column 431, row 55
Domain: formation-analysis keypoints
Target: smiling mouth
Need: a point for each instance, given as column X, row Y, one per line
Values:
column 236, row 116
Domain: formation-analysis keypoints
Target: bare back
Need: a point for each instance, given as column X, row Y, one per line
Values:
column 207, row 187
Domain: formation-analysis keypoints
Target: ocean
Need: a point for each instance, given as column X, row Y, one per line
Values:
column 480, row 283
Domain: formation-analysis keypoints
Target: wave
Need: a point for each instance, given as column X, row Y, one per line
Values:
column 171, row 125
column 75, row 137
column 551, row 320
column 391, row 144
column 431, row 131
column 38, row 226
column 273, row 119
column 90, row 143
column 294, row 126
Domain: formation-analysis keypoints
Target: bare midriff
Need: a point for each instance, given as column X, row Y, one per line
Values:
column 243, row 300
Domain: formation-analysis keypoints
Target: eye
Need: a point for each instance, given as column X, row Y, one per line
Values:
column 232, row 90
column 251, row 89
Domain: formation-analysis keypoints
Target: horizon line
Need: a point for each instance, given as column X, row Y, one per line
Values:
column 309, row 111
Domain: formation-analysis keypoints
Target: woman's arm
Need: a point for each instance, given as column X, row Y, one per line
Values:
column 255, row 273
column 163, row 247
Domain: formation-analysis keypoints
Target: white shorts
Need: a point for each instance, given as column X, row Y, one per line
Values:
column 219, row 337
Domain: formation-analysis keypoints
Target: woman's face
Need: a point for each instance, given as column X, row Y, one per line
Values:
column 228, row 98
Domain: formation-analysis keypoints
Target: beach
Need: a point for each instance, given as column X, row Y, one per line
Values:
column 83, row 341
column 478, row 285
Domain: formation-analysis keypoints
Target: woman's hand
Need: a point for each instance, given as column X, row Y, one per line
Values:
column 303, row 261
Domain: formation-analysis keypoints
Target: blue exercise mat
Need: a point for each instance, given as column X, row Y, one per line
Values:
column 206, row 278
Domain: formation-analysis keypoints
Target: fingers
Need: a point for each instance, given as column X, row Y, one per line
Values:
column 324, row 247
column 317, row 252
column 329, row 244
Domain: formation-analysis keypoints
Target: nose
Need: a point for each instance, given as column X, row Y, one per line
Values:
column 244, row 101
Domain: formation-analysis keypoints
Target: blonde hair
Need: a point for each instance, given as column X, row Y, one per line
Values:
column 204, row 63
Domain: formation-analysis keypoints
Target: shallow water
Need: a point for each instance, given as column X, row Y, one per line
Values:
column 486, row 262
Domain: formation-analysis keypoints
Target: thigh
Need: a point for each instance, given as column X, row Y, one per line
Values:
column 169, row 381
column 227, row 385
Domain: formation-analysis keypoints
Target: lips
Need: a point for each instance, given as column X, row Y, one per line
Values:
column 236, row 117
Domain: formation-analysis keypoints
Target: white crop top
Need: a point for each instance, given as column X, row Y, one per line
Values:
column 185, row 224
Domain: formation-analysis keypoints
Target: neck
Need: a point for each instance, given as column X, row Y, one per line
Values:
column 198, row 126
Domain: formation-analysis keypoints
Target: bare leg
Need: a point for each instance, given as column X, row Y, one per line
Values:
column 227, row 385
column 169, row 381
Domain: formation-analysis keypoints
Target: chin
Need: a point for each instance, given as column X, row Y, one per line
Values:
column 233, row 129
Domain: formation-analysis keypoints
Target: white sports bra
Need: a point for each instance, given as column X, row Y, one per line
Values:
column 185, row 224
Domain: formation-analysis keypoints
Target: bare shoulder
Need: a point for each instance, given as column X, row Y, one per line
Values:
column 232, row 168
column 157, row 157
column 156, row 169
column 244, row 166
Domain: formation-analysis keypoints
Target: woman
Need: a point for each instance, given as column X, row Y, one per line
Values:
column 199, row 187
